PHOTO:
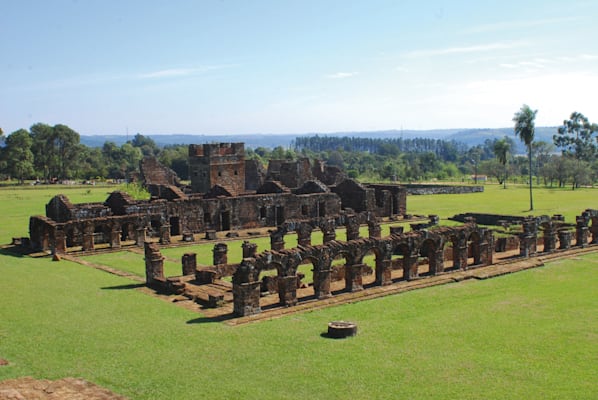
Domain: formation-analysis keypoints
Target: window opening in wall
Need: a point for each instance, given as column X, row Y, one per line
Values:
column 263, row 212
column 304, row 210
column 207, row 219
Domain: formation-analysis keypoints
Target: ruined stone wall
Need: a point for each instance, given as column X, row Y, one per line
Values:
column 414, row 189
column 295, row 173
column 396, row 204
column 220, row 164
column 153, row 172
column 255, row 174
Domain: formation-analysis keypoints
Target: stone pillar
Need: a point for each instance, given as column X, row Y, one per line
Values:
column 594, row 229
column 45, row 240
column 165, row 234
column 287, row 290
column 246, row 290
column 436, row 261
column 277, row 240
column 564, row 239
column 329, row 234
column 115, row 235
column 88, row 244
column 220, row 254
column 141, row 236
column 410, row 267
column 59, row 241
column 550, row 237
column 374, row 230
column 304, row 234
column 528, row 240
column 582, row 231
column 383, row 273
column 460, row 257
column 249, row 249
column 487, row 249
column 322, row 283
column 189, row 263
column 354, row 277
column 352, row 225
column 154, row 263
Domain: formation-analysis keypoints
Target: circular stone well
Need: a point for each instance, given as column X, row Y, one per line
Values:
column 341, row 329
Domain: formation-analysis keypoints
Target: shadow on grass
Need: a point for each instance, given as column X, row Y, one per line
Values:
column 124, row 287
column 13, row 251
column 207, row 320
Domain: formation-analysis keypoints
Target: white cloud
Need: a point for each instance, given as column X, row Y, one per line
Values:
column 341, row 75
column 465, row 49
column 180, row 72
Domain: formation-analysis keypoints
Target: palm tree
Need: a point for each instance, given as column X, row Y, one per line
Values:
column 525, row 129
column 502, row 148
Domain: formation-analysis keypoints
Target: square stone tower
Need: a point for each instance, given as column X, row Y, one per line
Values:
column 221, row 164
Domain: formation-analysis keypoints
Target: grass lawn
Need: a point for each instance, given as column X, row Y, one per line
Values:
column 526, row 335
column 530, row 335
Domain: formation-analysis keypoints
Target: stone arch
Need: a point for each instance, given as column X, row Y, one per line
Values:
column 377, row 264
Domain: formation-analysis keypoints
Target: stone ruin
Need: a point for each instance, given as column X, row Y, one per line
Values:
column 227, row 193
column 418, row 254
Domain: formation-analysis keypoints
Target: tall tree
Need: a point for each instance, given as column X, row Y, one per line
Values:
column 18, row 155
column 576, row 137
column 43, row 150
column 502, row 148
column 525, row 127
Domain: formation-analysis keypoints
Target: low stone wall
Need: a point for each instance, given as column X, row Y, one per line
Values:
column 415, row 189
column 488, row 219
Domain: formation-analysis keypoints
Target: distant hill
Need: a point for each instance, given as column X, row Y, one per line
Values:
column 470, row 137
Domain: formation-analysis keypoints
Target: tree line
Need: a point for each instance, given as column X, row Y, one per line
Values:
column 54, row 153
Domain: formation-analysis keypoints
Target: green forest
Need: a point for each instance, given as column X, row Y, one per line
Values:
column 47, row 154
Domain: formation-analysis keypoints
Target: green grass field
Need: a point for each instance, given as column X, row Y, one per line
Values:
column 530, row 335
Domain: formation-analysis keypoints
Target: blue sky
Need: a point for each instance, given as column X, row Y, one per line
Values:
column 232, row 67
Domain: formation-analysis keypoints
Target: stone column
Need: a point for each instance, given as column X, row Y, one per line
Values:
column 154, row 263
column 564, row 239
column 582, row 231
column 277, row 240
column 410, row 267
column 59, row 241
column 304, row 234
column 246, row 291
column 594, row 229
column 287, row 290
column 460, row 257
column 189, row 263
column 115, row 235
column 383, row 273
column 354, row 277
column 550, row 237
column 220, row 254
column 45, row 240
column 88, row 244
column 165, row 234
column 374, row 230
column 329, row 235
column 322, row 283
column 141, row 236
column 249, row 249
column 436, row 261
column 352, row 225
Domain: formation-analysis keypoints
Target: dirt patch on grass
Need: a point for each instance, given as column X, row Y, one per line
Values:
column 64, row 389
